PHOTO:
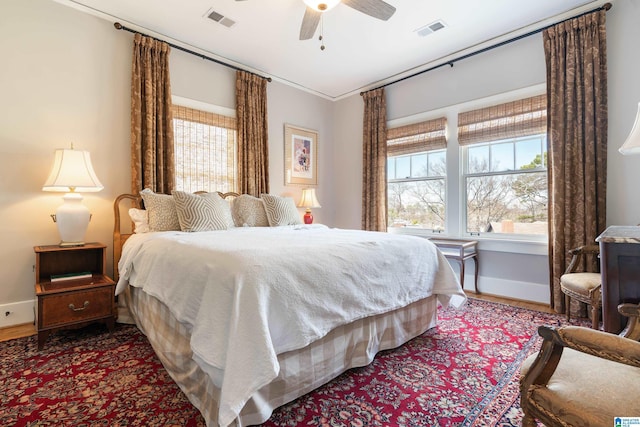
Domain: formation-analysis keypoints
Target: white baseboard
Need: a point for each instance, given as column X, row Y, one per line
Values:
column 19, row 313
column 526, row 291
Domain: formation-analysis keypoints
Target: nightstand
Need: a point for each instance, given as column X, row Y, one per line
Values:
column 460, row 250
column 66, row 300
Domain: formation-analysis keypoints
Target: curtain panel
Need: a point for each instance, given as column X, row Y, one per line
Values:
column 374, row 161
column 576, row 59
column 253, row 135
column 513, row 119
column 417, row 137
column 152, row 151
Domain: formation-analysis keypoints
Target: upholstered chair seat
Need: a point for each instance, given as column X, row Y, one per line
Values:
column 583, row 377
column 582, row 286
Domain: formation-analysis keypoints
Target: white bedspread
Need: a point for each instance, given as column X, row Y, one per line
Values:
column 248, row 294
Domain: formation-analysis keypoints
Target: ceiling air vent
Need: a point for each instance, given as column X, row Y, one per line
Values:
column 430, row 28
column 220, row 18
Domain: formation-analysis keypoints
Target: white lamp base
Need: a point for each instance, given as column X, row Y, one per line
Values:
column 72, row 218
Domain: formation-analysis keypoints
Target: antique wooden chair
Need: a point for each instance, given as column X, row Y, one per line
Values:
column 582, row 286
column 583, row 377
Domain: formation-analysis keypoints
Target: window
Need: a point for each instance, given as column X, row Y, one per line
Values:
column 416, row 175
column 205, row 150
column 504, row 167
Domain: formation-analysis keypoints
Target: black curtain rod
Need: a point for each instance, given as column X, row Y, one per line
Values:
column 605, row 6
column 119, row 26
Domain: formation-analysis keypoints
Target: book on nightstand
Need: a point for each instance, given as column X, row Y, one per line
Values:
column 71, row 276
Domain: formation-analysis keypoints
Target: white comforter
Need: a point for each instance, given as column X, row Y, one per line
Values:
column 248, row 294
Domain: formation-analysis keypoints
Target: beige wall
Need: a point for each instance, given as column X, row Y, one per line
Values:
column 520, row 272
column 65, row 78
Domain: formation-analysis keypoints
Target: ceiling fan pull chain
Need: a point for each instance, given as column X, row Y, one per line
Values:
column 321, row 32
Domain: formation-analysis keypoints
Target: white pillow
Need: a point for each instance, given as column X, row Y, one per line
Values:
column 202, row 212
column 248, row 211
column 161, row 210
column 280, row 210
column 140, row 220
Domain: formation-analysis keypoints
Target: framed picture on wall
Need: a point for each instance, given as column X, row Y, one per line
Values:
column 300, row 156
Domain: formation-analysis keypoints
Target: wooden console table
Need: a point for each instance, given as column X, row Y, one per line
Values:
column 460, row 250
column 620, row 269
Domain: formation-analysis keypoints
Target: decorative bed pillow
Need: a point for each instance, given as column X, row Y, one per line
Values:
column 140, row 220
column 280, row 210
column 248, row 211
column 161, row 210
column 202, row 212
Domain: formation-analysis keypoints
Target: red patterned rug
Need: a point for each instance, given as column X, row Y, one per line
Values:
column 462, row 373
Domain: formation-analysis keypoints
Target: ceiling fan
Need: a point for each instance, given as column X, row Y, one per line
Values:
column 374, row 8
column 315, row 8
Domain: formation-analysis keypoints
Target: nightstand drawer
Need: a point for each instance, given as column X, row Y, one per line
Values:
column 71, row 307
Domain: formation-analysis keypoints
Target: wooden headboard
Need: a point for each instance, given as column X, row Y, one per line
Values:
column 120, row 236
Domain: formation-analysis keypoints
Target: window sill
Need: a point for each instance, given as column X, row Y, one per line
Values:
column 517, row 246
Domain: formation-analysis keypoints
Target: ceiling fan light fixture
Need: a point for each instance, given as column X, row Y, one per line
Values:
column 321, row 5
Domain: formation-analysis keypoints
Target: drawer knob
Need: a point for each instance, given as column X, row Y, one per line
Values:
column 73, row 307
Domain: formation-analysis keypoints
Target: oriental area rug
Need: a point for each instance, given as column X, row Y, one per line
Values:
column 464, row 372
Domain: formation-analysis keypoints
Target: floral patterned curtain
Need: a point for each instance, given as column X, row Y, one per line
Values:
column 253, row 135
column 374, row 161
column 152, row 151
column 577, row 135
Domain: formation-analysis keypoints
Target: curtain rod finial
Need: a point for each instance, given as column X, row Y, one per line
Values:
column 118, row 25
column 607, row 6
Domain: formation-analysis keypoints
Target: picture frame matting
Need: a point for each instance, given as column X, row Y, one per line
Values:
column 300, row 155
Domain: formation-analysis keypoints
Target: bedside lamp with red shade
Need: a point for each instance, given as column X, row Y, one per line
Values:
column 308, row 201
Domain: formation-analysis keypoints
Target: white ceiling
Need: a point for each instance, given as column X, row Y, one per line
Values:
column 361, row 52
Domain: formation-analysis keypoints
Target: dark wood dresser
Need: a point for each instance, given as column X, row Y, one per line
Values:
column 620, row 268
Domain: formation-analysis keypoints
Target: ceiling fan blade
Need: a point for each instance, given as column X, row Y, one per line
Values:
column 310, row 23
column 376, row 8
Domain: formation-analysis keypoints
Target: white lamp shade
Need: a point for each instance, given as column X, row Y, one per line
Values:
column 72, row 171
column 321, row 5
column 309, row 199
column 632, row 144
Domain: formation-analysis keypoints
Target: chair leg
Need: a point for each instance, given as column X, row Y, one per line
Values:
column 528, row 421
column 567, row 306
column 595, row 317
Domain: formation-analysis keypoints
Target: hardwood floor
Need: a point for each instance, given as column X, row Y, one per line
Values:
column 515, row 302
column 18, row 331
column 30, row 329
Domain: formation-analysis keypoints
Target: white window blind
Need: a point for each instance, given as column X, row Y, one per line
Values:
column 523, row 117
column 205, row 150
column 417, row 137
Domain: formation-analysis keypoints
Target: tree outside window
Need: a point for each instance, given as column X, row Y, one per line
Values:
column 506, row 186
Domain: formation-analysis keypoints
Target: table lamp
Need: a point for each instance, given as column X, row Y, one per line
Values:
column 632, row 144
column 72, row 173
column 308, row 201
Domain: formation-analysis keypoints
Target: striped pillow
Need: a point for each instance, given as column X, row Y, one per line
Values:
column 280, row 210
column 202, row 212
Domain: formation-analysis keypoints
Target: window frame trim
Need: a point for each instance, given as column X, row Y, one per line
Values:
column 213, row 109
column 535, row 244
column 463, row 192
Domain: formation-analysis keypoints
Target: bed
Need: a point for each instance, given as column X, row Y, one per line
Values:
column 251, row 314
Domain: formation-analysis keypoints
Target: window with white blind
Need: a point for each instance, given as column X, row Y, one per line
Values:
column 416, row 175
column 504, row 156
column 205, row 150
